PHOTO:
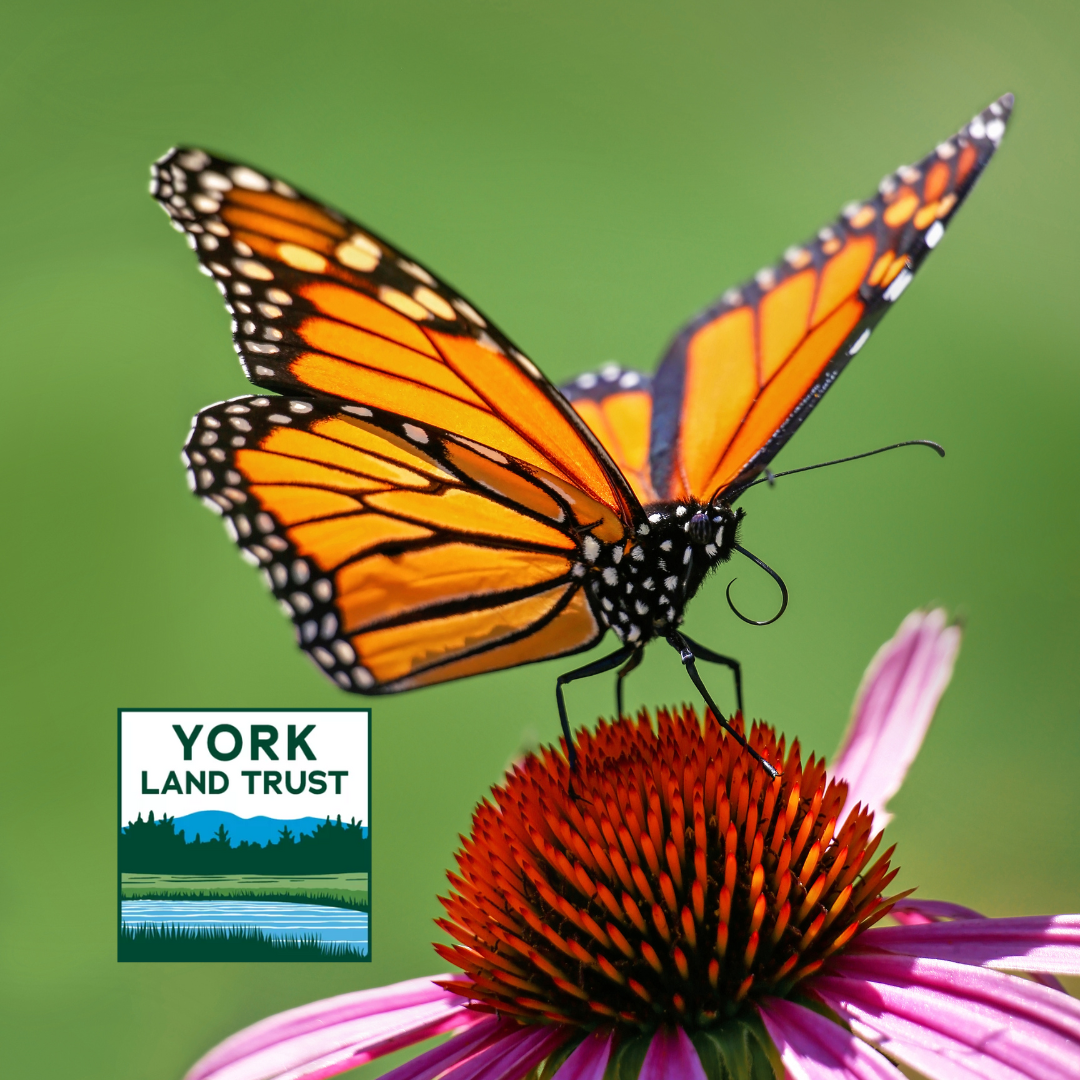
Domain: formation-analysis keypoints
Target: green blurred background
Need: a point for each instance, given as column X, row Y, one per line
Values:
column 591, row 174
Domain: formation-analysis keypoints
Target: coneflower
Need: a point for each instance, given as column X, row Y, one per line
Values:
column 684, row 915
column 678, row 883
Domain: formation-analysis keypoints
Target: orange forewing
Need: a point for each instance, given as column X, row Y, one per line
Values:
column 721, row 382
column 363, row 311
column 302, row 211
column 337, row 310
column 783, row 318
column 777, row 399
column 737, row 381
column 515, row 395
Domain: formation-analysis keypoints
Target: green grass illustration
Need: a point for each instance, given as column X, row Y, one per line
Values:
column 171, row 943
column 333, row 890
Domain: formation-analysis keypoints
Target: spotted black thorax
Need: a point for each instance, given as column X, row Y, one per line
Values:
column 640, row 588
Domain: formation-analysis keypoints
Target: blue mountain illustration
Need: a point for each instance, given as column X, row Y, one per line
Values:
column 256, row 830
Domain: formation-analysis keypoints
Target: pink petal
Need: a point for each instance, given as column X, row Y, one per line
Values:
column 813, row 1048
column 955, row 1019
column 589, row 1060
column 360, row 1053
column 320, row 1015
column 893, row 709
column 1031, row 943
column 671, row 1054
column 514, row 1055
column 936, row 1055
column 505, row 1038
column 914, row 912
column 1019, row 996
column 488, row 1031
column 333, row 1049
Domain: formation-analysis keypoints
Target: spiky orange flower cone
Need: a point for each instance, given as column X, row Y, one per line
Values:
column 677, row 881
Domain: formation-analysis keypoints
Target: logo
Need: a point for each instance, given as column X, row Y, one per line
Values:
column 244, row 835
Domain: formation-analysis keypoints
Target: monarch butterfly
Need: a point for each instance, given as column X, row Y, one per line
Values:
column 426, row 505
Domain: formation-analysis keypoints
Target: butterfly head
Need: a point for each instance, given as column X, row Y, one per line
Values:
column 714, row 525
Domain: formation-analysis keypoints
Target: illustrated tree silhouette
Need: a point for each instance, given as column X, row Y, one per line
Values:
column 152, row 846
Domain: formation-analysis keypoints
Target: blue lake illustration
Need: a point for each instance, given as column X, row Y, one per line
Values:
column 277, row 920
column 226, row 888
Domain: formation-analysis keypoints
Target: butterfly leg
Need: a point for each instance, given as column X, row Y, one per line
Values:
column 686, row 654
column 597, row 667
column 702, row 653
column 623, row 672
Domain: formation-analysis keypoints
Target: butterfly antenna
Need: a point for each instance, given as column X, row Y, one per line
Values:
column 773, row 574
column 770, row 477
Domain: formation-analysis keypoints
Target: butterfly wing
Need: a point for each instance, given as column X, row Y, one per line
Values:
column 616, row 403
column 741, row 377
column 405, row 555
column 322, row 305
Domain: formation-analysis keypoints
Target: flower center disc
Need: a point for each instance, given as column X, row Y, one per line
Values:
column 676, row 882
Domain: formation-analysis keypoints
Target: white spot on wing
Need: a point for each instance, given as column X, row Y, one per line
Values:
column 934, row 234
column 898, row 285
column 468, row 311
column 858, row 343
column 194, row 160
column 344, row 652
column 212, row 181
column 244, row 177
column 528, row 365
